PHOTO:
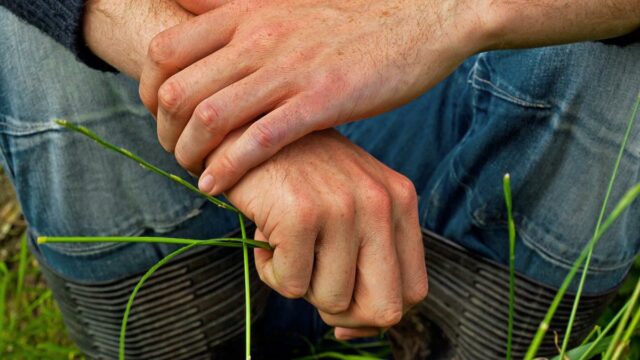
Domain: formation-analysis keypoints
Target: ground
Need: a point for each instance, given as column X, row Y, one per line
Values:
column 30, row 324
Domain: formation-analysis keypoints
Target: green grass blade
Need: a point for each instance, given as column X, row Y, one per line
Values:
column 127, row 311
column 586, row 253
column 224, row 242
column 22, row 267
column 633, row 326
column 583, row 277
column 4, row 284
column 86, row 132
column 39, row 301
column 600, row 343
column 594, row 332
column 628, row 198
column 247, row 288
column 616, row 347
column 506, row 184
column 581, row 351
column 622, row 205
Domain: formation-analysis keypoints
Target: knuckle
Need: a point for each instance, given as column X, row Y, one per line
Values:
column 227, row 164
column 292, row 290
column 329, row 319
column 333, row 81
column 405, row 191
column 334, row 305
column 417, row 293
column 378, row 198
column 389, row 316
column 161, row 49
column 265, row 34
column 264, row 135
column 184, row 161
column 208, row 116
column 305, row 213
column 170, row 96
column 344, row 206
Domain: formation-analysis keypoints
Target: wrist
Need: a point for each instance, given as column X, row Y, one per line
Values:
column 466, row 27
column 119, row 31
column 508, row 24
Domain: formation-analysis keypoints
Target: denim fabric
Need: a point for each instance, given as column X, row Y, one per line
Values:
column 69, row 185
column 552, row 117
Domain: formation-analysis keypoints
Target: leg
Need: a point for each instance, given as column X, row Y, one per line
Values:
column 554, row 118
column 68, row 185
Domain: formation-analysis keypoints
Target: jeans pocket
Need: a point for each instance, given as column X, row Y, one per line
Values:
column 551, row 135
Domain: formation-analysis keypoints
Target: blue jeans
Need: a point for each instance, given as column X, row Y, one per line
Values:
column 552, row 117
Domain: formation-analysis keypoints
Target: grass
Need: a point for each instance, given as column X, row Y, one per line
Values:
column 506, row 184
column 613, row 347
column 31, row 325
column 585, row 255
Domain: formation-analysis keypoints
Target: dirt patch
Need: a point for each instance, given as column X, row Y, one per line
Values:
column 12, row 224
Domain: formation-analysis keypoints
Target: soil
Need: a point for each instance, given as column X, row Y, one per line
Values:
column 12, row 224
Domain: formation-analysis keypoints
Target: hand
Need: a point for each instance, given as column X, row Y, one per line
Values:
column 291, row 67
column 345, row 231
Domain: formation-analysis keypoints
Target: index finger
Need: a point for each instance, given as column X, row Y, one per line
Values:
column 181, row 46
column 287, row 269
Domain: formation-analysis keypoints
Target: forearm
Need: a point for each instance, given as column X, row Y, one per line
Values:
column 119, row 31
column 532, row 23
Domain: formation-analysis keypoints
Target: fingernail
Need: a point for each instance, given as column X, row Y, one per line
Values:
column 206, row 183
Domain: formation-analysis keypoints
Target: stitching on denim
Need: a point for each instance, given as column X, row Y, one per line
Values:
column 428, row 203
column 561, row 261
column 521, row 230
column 22, row 128
column 522, row 226
column 494, row 89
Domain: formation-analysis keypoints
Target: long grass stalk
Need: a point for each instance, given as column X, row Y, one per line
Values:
column 594, row 332
column 622, row 205
column 576, row 301
column 145, row 164
column 5, row 277
column 127, row 311
column 599, row 222
column 586, row 253
column 633, row 326
column 616, row 346
column 22, row 267
column 506, row 184
column 224, row 242
column 597, row 342
column 243, row 242
column 247, row 288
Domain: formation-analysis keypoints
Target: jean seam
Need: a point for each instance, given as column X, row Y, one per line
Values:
column 527, row 240
column 494, row 89
column 26, row 128
column 559, row 261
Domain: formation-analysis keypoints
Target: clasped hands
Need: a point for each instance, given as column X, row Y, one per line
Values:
column 243, row 94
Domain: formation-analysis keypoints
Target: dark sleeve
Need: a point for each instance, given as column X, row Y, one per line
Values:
column 62, row 20
column 625, row 40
